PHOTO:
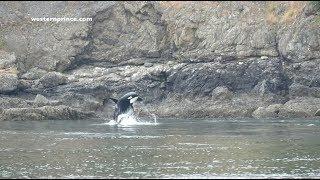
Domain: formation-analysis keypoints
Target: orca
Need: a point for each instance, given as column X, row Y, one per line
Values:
column 125, row 105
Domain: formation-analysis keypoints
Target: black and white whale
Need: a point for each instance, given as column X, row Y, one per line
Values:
column 125, row 105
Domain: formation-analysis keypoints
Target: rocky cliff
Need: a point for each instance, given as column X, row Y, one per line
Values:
column 186, row 59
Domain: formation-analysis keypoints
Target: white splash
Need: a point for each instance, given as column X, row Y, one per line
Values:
column 127, row 119
column 131, row 120
column 111, row 123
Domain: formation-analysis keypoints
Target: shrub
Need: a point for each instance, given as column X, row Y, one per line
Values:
column 316, row 6
column 2, row 43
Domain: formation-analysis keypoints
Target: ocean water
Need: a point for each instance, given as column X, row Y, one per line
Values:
column 165, row 148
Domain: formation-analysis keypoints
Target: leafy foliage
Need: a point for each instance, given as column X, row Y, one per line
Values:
column 2, row 44
column 316, row 6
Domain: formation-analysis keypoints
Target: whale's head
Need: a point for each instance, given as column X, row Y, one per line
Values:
column 131, row 97
column 125, row 104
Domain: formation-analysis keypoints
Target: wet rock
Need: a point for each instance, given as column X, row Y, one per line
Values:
column 271, row 111
column 44, row 113
column 305, row 73
column 300, row 107
column 200, row 78
column 81, row 101
column 193, row 110
column 299, row 90
column 182, row 106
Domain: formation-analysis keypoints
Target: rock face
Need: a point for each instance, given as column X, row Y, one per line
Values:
column 125, row 31
column 47, row 45
column 186, row 59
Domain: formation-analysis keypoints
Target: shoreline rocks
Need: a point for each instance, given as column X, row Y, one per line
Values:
column 60, row 112
column 206, row 59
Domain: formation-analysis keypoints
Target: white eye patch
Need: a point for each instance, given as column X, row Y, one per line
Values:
column 132, row 100
column 130, row 97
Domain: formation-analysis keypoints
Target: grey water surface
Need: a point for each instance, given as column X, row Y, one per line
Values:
column 172, row 148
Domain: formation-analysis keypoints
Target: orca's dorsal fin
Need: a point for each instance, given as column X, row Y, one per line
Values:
column 114, row 100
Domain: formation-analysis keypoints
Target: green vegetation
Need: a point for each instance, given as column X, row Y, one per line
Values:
column 271, row 6
column 316, row 6
column 2, row 43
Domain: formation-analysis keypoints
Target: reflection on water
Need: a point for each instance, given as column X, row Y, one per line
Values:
column 173, row 148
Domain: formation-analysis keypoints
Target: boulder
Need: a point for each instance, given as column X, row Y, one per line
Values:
column 222, row 93
column 25, row 84
column 271, row 111
column 8, row 82
column 40, row 100
column 7, row 60
column 52, row 79
column 300, row 107
column 34, row 73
